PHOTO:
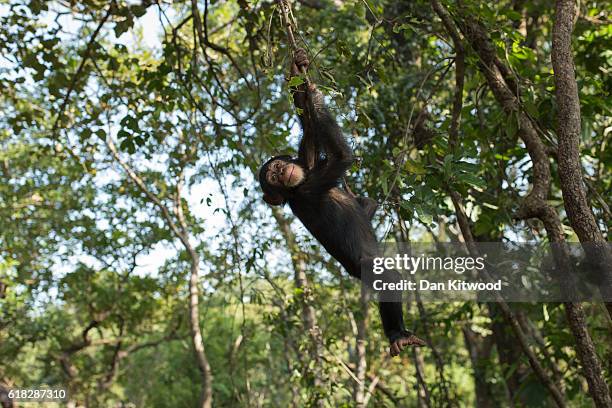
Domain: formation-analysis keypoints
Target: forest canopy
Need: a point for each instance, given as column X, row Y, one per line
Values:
column 139, row 265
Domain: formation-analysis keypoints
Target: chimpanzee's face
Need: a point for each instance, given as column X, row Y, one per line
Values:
column 282, row 173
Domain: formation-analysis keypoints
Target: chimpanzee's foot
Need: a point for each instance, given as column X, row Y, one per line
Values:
column 398, row 345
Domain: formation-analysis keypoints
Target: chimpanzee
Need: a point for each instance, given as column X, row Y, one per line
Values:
column 339, row 220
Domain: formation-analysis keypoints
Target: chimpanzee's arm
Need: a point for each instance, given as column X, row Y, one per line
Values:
column 339, row 157
column 308, row 151
column 328, row 133
column 368, row 205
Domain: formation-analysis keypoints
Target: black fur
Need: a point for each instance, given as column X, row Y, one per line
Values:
column 340, row 221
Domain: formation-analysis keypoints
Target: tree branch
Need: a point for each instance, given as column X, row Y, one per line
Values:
column 575, row 201
column 459, row 71
column 76, row 76
column 180, row 231
column 204, row 41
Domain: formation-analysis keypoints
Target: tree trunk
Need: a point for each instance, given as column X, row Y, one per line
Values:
column 359, row 389
column 309, row 318
column 508, row 354
column 423, row 395
column 439, row 362
column 535, row 204
column 180, row 231
column 480, row 352
column 196, row 333
column 575, row 201
column 534, row 332
column 468, row 237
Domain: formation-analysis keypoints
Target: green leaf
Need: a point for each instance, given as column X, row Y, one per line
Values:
column 472, row 180
column 414, row 167
column 122, row 134
column 123, row 26
column 113, row 64
column 384, row 183
column 128, row 145
column 296, row 81
column 138, row 10
column 423, row 216
column 447, row 161
column 531, row 108
column 86, row 134
column 402, row 27
column 467, row 167
column 513, row 15
column 512, row 125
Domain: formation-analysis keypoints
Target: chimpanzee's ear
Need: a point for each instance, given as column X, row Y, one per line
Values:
column 273, row 199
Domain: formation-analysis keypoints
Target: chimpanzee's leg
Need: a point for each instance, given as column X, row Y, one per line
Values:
column 390, row 303
column 392, row 318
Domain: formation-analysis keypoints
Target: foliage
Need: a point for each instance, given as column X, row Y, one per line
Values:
column 97, row 282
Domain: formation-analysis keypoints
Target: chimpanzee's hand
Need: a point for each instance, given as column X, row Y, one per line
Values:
column 300, row 58
column 398, row 345
column 300, row 62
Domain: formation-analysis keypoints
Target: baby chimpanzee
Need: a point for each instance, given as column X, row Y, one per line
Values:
column 340, row 221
